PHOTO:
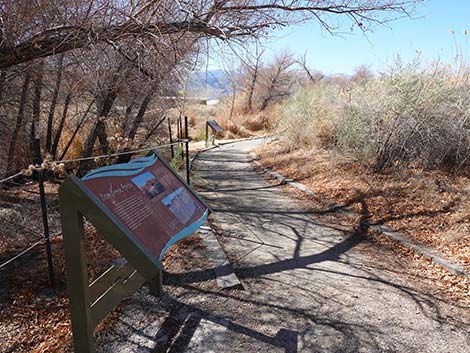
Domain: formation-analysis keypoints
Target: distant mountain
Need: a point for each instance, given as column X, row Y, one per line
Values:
column 210, row 84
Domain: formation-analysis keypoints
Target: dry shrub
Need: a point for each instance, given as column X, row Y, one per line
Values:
column 192, row 120
column 233, row 129
column 76, row 148
column 406, row 115
column 308, row 112
column 200, row 110
column 258, row 122
column 237, row 122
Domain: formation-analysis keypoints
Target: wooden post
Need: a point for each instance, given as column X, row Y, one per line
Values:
column 156, row 285
column 77, row 278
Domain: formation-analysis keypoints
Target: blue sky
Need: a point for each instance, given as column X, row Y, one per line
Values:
column 428, row 33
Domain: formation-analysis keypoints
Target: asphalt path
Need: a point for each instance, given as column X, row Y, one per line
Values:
column 307, row 285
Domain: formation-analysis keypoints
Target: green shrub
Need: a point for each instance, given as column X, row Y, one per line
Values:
column 407, row 114
column 309, row 115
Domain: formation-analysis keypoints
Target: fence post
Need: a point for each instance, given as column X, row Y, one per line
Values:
column 178, row 127
column 38, row 160
column 187, row 148
column 171, row 139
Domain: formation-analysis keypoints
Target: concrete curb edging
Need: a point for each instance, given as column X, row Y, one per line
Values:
column 226, row 277
column 383, row 229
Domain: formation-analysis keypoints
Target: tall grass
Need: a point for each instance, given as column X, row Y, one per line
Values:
column 407, row 114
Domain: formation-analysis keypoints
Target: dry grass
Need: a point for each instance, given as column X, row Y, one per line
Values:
column 39, row 313
column 241, row 124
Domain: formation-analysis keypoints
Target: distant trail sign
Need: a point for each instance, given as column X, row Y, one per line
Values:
column 215, row 128
column 141, row 208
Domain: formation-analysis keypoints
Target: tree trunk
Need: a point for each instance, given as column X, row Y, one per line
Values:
column 127, row 118
column 55, row 94
column 232, row 106
column 254, row 79
column 19, row 123
column 135, row 126
column 252, row 90
column 61, row 125
column 98, row 131
column 36, row 109
column 103, row 111
column 3, row 75
column 152, row 130
column 265, row 103
column 139, row 117
column 102, row 136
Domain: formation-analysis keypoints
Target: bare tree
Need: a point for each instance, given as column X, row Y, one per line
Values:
column 277, row 79
column 253, row 73
column 362, row 74
column 18, row 124
column 312, row 76
column 77, row 129
column 31, row 31
column 55, row 94
column 58, row 133
column 3, row 75
column 35, row 142
column 121, row 52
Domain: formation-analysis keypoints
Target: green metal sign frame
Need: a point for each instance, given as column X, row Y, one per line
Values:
column 90, row 303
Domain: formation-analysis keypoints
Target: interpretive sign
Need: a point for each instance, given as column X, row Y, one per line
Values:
column 150, row 200
column 141, row 208
column 214, row 125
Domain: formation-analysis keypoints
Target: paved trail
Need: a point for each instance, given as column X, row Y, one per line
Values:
column 307, row 286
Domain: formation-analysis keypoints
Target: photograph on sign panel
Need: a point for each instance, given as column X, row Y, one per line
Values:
column 149, row 185
column 180, row 204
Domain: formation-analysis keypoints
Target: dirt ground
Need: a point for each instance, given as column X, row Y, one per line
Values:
column 34, row 317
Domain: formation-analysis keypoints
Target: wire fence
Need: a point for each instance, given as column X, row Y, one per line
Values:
column 110, row 155
column 10, row 177
column 45, row 237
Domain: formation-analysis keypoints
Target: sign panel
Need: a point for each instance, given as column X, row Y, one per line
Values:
column 215, row 126
column 146, row 196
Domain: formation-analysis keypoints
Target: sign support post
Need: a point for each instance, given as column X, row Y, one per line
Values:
column 77, row 281
column 90, row 303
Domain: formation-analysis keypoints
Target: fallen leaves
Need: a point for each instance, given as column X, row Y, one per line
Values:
column 430, row 206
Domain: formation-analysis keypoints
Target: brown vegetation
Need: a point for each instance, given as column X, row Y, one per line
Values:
column 430, row 206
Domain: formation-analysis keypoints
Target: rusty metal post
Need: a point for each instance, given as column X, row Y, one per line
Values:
column 37, row 159
column 187, row 148
column 171, row 139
